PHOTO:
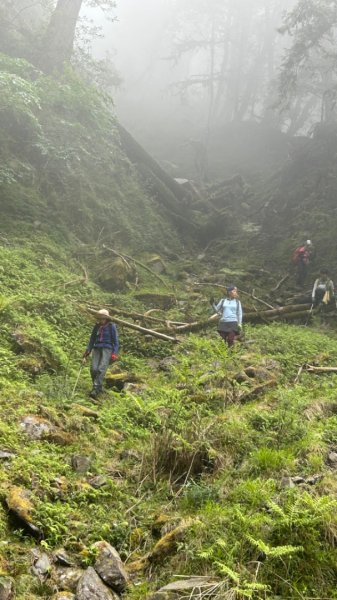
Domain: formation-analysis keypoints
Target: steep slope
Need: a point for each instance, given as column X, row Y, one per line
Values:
column 63, row 166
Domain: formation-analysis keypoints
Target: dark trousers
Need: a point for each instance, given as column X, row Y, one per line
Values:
column 302, row 272
column 229, row 337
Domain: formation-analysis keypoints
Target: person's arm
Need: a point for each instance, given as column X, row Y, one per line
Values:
column 239, row 314
column 91, row 341
column 331, row 286
column 114, row 339
column 218, row 307
column 314, row 290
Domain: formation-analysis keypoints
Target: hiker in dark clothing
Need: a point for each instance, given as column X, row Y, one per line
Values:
column 301, row 258
column 230, row 309
column 323, row 290
column 104, row 346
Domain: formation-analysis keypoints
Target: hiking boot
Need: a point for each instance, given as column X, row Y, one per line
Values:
column 93, row 394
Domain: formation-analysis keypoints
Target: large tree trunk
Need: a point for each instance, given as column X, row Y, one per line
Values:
column 58, row 41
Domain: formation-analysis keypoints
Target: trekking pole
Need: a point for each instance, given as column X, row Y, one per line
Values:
column 310, row 314
column 77, row 380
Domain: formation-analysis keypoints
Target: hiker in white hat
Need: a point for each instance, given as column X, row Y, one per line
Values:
column 104, row 346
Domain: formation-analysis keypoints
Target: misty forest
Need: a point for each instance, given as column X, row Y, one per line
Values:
column 168, row 255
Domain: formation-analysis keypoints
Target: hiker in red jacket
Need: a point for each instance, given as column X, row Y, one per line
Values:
column 301, row 258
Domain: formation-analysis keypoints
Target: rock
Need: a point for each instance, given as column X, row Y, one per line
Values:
column 297, row 479
column 314, row 479
column 332, row 459
column 168, row 543
column 98, row 481
column 241, row 377
column 36, row 427
column 66, row 578
column 42, row 565
column 109, row 567
column 91, row 587
column 258, row 373
column 63, row 596
column 59, row 437
column 287, row 482
column 193, row 587
column 80, row 463
column 18, row 501
column 7, row 589
column 4, row 455
column 157, row 264
column 167, row 363
column 85, row 412
column 61, row 556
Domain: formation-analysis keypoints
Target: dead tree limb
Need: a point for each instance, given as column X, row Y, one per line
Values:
column 313, row 369
column 278, row 285
column 157, row 334
column 260, row 300
column 135, row 315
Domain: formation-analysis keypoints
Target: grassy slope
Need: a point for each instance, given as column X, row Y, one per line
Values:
column 178, row 446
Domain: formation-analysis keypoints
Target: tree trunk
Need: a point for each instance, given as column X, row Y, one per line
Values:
column 58, row 41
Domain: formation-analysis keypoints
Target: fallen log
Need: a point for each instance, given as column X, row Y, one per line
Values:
column 136, row 315
column 313, row 369
column 157, row 334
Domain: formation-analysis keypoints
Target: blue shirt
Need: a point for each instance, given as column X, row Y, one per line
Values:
column 230, row 310
column 104, row 336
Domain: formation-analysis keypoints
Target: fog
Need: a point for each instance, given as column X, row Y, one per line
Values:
column 190, row 68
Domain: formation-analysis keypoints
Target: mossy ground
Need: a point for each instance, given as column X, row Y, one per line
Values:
column 179, row 446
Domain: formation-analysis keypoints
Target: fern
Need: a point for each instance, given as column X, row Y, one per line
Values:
column 275, row 552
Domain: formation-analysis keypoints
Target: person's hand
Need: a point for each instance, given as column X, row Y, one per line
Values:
column 114, row 356
column 85, row 355
column 240, row 327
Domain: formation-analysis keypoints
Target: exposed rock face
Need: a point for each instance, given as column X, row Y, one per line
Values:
column 91, row 587
column 109, row 566
column 6, row 588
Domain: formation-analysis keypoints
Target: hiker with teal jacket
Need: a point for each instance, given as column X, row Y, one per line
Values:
column 104, row 346
column 230, row 311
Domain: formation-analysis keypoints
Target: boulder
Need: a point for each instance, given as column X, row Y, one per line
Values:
column 109, row 567
column 7, row 589
column 66, row 578
column 61, row 557
column 41, row 565
column 332, row 459
column 19, row 502
column 4, row 455
column 36, row 427
column 91, row 587
column 80, row 463
column 63, row 596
